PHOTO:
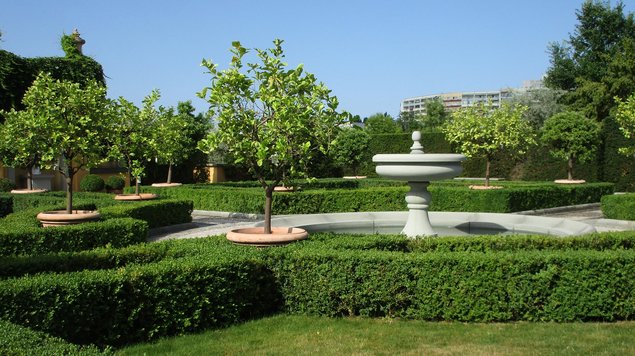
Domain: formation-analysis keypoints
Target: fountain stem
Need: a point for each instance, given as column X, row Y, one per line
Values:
column 418, row 199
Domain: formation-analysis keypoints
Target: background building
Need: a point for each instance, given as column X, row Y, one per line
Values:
column 455, row 100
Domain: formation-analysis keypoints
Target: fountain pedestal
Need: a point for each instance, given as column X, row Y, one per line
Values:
column 418, row 199
column 418, row 169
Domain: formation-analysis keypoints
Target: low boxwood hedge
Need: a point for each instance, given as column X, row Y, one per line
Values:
column 156, row 213
column 143, row 302
column 18, row 340
column 446, row 196
column 121, row 296
column 621, row 206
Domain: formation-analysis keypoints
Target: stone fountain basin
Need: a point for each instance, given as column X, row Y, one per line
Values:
column 418, row 167
column 444, row 223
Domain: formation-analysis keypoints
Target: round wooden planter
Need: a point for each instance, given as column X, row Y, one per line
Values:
column 166, row 185
column 61, row 218
column 28, row 191
column 255, row 236
column 136, row 197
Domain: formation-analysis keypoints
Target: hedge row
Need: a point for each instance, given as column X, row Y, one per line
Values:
column 621, row 207
column 460, row 286
column 156, row 213
column 454, row 196
column 18, row 340
column 150, row 291
column 143, row 302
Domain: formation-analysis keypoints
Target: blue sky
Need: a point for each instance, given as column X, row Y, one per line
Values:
column 371, row 54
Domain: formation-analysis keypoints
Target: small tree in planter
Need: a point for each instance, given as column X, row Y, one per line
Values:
column 21, row 142
column 271, row 119
column 132, row 139
column 74, row 122
column 481, row 130
column 351, row 149
column 572, row 137
column 174, row 136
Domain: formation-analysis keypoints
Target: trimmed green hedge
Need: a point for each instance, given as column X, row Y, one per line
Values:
column 156, row 213
column 143, row 302
column 121, row 296
column 6, row 205
column 461, row 286
column 18, row 340
column 621, row 207
column 447, row 196
column 29, row 240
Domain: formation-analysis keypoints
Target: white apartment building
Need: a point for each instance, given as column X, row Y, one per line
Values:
column 456, row 100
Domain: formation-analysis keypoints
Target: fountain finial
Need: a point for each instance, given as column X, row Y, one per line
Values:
column 416, row 144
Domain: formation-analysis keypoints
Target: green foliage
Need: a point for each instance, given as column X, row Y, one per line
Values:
column 26, row 238
column 17, row 74
column 481, row 131
column 571, row 137
column 92, row 183
column 541, row 104
column 435, row 116
column 620, row 207
column 351, row 149
column 625, row 118
column 6, row 205
column 408, row 121
column 73, row 122
column 115, row 183
column 381, row 124
column 18, row 340
column 69, row 45
column 156, row 212
column 272, row 119
column 448, row 196
column 6, row 185
column 132, row 140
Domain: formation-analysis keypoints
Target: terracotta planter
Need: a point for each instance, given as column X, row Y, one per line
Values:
column 136, row 197
column 355, row 177
column 166, row 185
column 255, row 236
column 28, row 191
column 569, row 181
column 482, row 187
column 61, row 218
column 284, row 189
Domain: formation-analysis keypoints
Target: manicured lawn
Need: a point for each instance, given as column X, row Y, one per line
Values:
column 298, row 335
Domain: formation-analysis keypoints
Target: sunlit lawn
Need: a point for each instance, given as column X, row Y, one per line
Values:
column 299, row 335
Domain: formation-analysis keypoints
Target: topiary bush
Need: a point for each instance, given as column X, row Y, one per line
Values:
column 92, row 183
column 621, row 207
column 115, row 183
column 6, row 185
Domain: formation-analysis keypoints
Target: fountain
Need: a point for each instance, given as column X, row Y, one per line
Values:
column 418, row 168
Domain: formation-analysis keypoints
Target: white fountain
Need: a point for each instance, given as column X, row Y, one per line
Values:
column 419, row 169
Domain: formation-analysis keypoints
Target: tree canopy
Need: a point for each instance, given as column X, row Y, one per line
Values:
column 270, row 118
column 381, row 124
column 481, row 130
column 572, row 137
column 625, row 117
column 351, row 149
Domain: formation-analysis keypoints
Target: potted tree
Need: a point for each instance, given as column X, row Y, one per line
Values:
column 173, row 138
column 481, row 131
column 572, row 137
column 273, row 120
column 73, row 122
column 19, row 149
column 132, row 140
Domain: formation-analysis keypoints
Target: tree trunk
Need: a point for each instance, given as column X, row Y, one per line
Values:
column 570, row 168
column 29, row 177
column 69, row 190
column 170, row 173
column 268, row 201
column 137, row 180
column 487, row 172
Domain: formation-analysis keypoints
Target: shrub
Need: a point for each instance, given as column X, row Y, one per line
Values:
column 6, row 205
column 115, row 183
column 92, row 183
column 156, row 212
column 18, row 340
column 621, row 207
column 6, row 185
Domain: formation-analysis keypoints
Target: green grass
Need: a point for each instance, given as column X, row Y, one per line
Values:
column 301, row 335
